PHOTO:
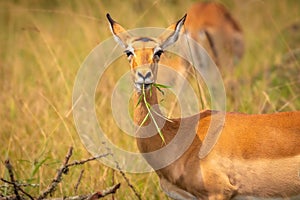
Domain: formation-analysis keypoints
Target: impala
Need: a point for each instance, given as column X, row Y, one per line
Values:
column 255, row 155
column 212, row 25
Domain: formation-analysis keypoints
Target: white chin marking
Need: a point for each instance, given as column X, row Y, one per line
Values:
column 138, row 87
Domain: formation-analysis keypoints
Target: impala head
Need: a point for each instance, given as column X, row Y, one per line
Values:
column 143, row 53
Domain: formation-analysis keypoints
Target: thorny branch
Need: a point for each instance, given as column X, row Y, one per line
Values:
column 12, row 178
column 124, row 175
column 78, row 181
column 18, row 184
column 57, row 179
column 87, row 160
column 93, row 196
column 128, row 182
column 18, row 188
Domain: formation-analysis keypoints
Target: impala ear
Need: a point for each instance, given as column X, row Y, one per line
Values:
column 168, row 38
column 121, row 36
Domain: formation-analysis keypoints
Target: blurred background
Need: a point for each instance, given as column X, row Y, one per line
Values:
column 43, row 44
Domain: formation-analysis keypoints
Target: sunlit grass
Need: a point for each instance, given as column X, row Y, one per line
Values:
column 43, row 44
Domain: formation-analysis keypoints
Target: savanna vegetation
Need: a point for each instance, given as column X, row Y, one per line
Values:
column 43, row 44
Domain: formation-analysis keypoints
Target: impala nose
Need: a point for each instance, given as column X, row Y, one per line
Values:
column 143, row 77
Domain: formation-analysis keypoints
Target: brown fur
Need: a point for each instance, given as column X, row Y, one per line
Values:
column 225, row 43
column 213, row 27
column 255, row 155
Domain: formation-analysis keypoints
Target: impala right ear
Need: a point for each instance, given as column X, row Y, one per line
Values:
column 121, row 36
column 167, row 39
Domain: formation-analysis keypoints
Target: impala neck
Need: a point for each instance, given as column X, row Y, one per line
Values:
column 141, row 110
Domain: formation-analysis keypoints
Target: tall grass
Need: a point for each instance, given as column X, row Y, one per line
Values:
column 43, row 44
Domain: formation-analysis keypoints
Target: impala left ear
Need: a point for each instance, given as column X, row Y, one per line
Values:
column 173, row 37
column 121, row 36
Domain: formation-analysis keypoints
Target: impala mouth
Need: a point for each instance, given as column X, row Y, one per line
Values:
column 139, row 86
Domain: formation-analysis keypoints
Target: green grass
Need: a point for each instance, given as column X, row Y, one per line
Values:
column 43, row 43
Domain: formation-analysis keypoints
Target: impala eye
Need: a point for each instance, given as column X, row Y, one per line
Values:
column 158, row 53
column 128, row 53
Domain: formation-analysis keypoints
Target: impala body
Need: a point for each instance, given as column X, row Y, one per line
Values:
column 255, row 155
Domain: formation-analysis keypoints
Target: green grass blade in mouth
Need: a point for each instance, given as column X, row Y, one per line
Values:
column 148, row 106
column 157, row 113
column 144, row 120
column 139, row 100
column 159, row 86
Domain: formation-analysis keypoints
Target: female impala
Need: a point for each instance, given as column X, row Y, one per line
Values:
column 255, row 155
column 211, row 25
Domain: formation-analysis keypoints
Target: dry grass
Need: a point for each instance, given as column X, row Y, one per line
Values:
column 43, row 44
